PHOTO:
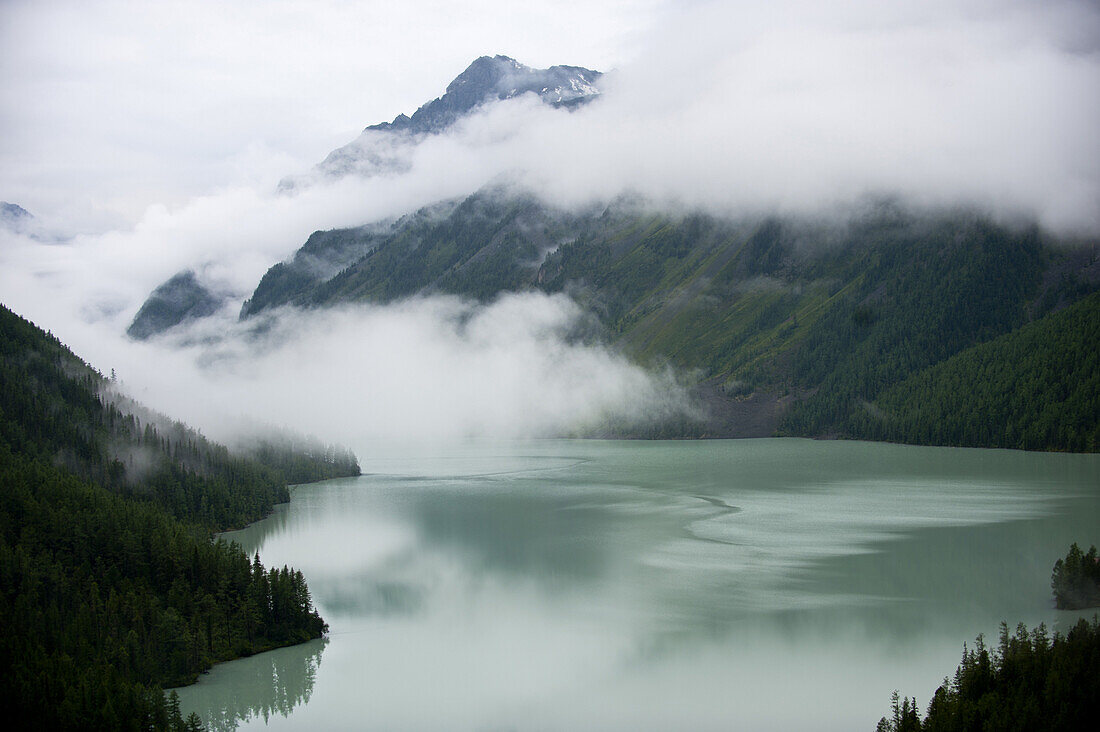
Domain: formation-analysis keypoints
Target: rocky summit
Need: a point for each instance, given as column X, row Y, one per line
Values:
column 387, row 147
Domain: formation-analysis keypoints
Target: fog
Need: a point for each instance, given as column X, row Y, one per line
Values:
column 110, row 107
column 156, row 141
column 428, row 369
column 791, row 105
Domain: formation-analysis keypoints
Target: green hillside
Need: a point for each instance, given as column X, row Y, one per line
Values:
column 110, row 585
column 789, row 325
column 1035, row 388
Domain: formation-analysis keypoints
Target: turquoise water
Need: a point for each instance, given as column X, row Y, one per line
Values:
column 558, row 585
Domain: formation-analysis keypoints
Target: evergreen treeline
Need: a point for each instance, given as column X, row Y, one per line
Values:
column 1030, row 683
column 110, row 587
column 1075, row 580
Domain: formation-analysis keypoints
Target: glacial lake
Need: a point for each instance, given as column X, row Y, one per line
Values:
column 776, row 584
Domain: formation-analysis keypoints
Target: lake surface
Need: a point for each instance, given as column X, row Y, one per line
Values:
column 558, row 585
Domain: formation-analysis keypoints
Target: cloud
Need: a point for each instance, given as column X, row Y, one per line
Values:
column 110, row 107
column 787, row 105
column 794, row 107
column 435, row 368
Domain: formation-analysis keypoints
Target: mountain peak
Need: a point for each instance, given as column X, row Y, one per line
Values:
column 485, row 72
column 14, row 217
column 491, row 78
column 387, row 147
column 13, row 212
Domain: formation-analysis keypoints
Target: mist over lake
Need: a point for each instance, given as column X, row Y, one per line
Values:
column 758, row 584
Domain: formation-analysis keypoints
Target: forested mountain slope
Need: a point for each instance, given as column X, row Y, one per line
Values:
column 110, row 586
column 790, row 325
column 175, row 301
column 1035, row 388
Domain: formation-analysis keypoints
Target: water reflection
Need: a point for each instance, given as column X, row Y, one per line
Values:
column 270, row 684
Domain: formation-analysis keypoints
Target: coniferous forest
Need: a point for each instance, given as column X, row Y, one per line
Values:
column 1030, row 682
column 1075, row 580
column 110, row 586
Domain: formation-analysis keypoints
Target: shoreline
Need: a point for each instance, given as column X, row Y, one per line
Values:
column 221, row 536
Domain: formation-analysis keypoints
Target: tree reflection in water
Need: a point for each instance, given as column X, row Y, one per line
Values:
column 270, row 684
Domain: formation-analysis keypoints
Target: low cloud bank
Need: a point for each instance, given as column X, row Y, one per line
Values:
column 434, row 368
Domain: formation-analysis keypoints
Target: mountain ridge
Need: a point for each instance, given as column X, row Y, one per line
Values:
column 13, row 213
column 381, row 149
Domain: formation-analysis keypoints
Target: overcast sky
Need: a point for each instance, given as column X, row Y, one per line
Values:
column 109, row 106
column 151, row 136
